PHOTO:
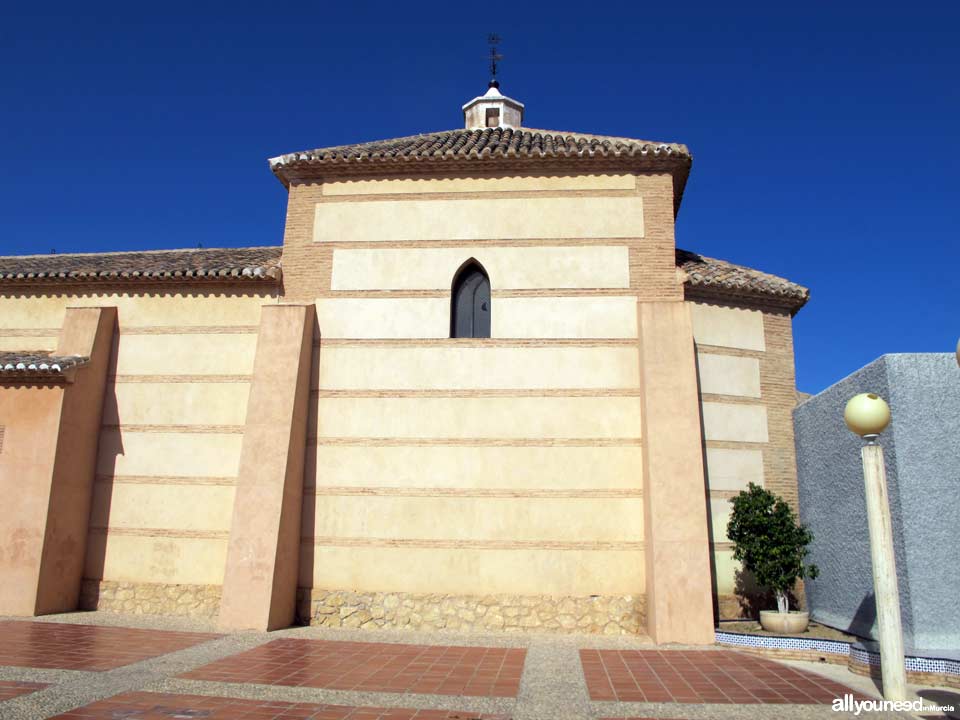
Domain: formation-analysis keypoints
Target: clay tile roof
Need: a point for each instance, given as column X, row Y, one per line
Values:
column 710, row 276
column 38, row 363
column 253, row 264
column 703, row 276
column 483, row 144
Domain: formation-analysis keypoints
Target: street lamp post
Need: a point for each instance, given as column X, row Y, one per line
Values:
column 868, row 415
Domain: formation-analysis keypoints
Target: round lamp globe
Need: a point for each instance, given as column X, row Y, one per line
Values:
column 867, row 414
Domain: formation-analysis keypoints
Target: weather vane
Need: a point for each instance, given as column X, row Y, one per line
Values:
column 493, row 40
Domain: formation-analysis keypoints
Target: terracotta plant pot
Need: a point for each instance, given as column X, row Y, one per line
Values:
column 789, row 623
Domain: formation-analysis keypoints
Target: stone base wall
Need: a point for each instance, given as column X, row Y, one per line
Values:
column 617, row 615
column 150, row 598
column 731, row 607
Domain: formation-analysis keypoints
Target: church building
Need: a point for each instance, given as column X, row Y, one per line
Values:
column 477, row 386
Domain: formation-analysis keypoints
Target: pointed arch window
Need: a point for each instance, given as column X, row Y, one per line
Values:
column 470, row 302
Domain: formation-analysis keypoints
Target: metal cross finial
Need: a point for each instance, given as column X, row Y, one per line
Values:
column 493, row 40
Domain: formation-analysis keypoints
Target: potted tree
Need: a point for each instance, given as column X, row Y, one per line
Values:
column 772, row 545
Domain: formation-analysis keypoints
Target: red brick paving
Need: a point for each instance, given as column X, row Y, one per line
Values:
column 378, row 667
column 86, row 647
column 699, row 676
column 10, row 689
column 161, row 706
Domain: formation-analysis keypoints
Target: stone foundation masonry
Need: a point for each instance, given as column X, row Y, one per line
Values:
column 617, row 615
column 150, row 598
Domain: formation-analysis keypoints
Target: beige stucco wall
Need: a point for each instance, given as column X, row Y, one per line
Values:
column 511, row 317
column 447, row 366
column 732, row 469
column 199, row 403
column 192, row 507
column 30, row 416
column 734, row 422
column 185, row 353
column 509, row 268
column 172, row 422
column 729, row 375
column 155, row 555
column 509, row 418
column 148, row 307
column 509, row 465
column 32, row 341
column 728, row 327
column 452, row 218
column 494, row 468
column 635, row 212
column 531, row 519
column 746, row 365
column 50, row 427
column 521, row 570
column 727, row 570
column 161, row 452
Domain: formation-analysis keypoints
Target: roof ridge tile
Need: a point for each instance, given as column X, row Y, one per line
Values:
column 250, row 264
column 526, row 142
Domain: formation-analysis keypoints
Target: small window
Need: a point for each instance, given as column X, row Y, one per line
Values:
column 493, row 117
column 470, row 302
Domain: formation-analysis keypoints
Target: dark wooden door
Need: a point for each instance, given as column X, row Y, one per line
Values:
column 471, row 304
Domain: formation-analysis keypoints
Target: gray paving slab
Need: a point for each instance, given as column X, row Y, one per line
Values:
column 43, row 675
column 180, row 623
column 286, row 693
column 552, row 684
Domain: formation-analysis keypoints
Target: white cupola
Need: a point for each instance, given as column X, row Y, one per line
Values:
column 492, row 110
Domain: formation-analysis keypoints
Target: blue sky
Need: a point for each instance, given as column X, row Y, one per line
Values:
column 825, row 135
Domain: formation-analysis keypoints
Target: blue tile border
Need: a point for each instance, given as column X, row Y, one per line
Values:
column 939, row 666
column 832, row 647
column 858, row 655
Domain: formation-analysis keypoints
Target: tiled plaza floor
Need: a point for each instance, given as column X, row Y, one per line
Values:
column 83, row 666
column 13, row 688
column 691, row 676
column 160, row 706
column 380, row 667
column 86, row 647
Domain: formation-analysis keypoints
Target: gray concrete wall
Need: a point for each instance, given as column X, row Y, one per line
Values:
column 922, row 452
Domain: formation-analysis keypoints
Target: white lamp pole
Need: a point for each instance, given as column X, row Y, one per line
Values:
column 868, row 415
